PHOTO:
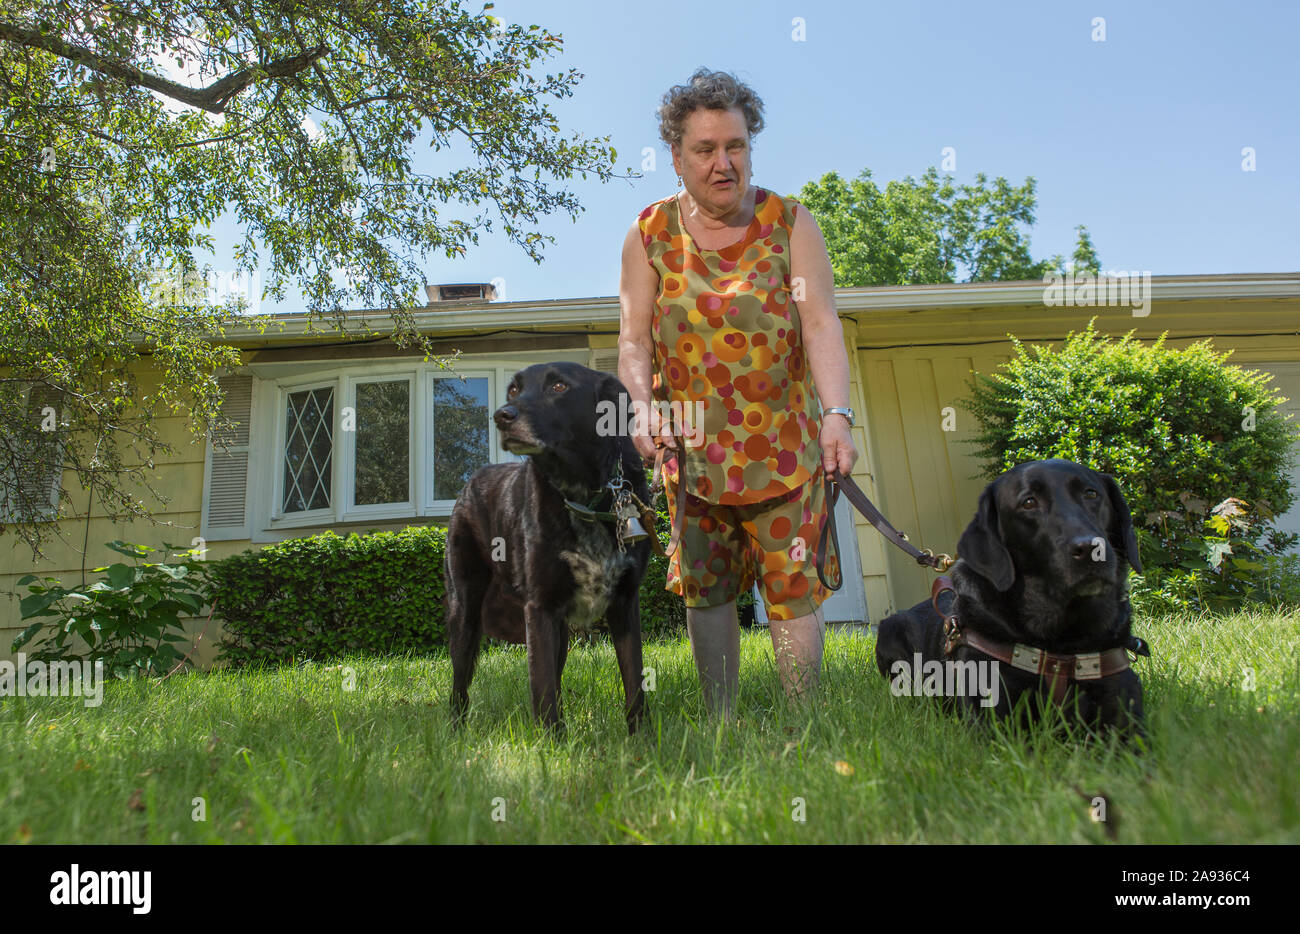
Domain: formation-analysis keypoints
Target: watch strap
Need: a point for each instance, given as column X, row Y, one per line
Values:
column 840, row 410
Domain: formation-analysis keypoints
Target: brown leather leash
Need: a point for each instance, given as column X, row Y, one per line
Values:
column 859, row 500
column 834, row 483
column 675, row 534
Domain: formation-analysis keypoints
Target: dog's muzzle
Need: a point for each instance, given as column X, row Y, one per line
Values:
column 515, row 435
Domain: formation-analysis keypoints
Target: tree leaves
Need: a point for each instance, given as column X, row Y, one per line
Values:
column 929, row 230
column 103, row 207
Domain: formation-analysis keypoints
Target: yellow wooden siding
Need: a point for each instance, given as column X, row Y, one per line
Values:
column 1286, row 380
column 179, row 477
column 928, row 473
column 871, row 548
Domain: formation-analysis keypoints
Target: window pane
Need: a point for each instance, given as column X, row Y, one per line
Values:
column 460, row 433
column 33, row 461
column 309, row 450
column 383, row 443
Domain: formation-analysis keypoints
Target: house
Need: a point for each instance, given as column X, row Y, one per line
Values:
column 301, row 462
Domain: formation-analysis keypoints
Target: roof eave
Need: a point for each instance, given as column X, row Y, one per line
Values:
column 588, row 313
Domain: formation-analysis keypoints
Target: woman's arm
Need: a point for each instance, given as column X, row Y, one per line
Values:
column 637, row 287
column 823, row 337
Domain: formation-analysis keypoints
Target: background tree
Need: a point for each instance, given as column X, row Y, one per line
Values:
column 107, row 191
column 1085, row 257
column 931, row 230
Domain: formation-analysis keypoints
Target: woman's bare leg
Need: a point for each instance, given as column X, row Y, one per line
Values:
column 798, row 644
column 715, row 642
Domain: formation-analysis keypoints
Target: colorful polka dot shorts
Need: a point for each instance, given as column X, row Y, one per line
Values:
column 724, row 550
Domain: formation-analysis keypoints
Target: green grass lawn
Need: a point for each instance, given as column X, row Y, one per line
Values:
column 287, row 755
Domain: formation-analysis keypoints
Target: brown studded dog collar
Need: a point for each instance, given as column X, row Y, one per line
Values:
column 1057, row 669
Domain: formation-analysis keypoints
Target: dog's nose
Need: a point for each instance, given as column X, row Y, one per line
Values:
column 507, row 413
column 1085, row 548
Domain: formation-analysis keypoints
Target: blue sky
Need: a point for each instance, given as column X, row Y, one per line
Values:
column 1138, row 137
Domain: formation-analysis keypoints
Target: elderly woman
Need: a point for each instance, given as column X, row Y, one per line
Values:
column 728, row 319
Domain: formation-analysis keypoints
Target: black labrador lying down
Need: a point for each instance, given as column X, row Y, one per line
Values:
column 527, row 559
column 1041, row 589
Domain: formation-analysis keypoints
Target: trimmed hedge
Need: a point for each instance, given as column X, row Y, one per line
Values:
column 381, row 593
column 327, row 596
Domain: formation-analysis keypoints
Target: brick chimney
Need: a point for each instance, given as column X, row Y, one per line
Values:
column 458, row 292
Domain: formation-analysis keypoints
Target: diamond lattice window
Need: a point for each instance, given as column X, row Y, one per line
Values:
column 309, row 450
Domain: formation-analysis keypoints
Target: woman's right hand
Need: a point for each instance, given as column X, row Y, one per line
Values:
column 658, row 428
column 645, row 446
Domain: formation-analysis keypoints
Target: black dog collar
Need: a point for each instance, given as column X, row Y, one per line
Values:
column 614, row 486
column 627, row 507
column 587, row 512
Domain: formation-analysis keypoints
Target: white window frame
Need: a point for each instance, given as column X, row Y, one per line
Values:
column 443, row 507
column 347, row 450
column 268, row 521
column 312, row 516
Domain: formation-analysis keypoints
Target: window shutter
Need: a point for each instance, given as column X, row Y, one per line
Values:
column 225, row 481
column 605, row 359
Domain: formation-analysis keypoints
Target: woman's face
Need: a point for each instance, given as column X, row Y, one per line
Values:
column 713, row 159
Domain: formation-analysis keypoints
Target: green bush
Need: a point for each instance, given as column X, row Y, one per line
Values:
column 130, row 619
column 1182, row 431
column 326, row 596
column 1222, row 567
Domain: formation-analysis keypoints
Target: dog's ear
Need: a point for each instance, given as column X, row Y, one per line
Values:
column 981, row 545
column 1122, row 524
column 613, row 411
column 611, row 398
column 609, row 388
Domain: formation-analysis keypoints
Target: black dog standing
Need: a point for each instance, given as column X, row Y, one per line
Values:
column 1041, row 587
column 535, row 548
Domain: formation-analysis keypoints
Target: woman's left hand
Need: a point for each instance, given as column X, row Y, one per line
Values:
column 836, row 440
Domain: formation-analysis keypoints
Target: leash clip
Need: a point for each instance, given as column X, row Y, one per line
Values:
column 938, row 563
column 952, row 635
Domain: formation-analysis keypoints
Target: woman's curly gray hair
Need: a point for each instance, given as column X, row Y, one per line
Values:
column 710, row 90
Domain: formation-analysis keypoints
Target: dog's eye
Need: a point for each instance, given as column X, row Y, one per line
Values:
column 1090, row 493
column 512, row 391
column 559, row 387
column 1029, row 502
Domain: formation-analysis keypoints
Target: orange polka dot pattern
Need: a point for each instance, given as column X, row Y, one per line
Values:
column 727, row 337
column 725, row 550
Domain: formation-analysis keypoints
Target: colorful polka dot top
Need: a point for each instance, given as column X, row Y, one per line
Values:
column 728, row 349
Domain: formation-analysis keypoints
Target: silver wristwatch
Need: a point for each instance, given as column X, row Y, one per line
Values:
column 840, row 410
